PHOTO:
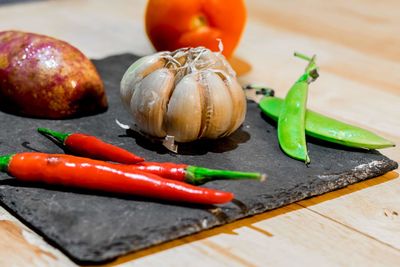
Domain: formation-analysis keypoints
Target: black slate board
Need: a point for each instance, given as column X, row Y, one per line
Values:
column 3, row 2
column 93, row 227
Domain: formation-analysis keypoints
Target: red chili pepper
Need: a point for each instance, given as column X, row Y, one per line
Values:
column 92, row 147
column 193, row 174
column 72, row 171
column 166, row 170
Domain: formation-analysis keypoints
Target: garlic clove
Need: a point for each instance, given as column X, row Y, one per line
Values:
column 217, row 115
column 136, row 72
column 149, row 101
column 238, row 100
column 185, row 110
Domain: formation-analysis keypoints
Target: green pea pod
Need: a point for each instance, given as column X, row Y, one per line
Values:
column 328, row 129
column 291, row 121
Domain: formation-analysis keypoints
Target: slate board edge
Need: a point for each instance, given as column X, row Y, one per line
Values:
column 363, row 172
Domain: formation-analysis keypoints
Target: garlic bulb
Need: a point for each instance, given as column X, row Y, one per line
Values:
column 187, row 94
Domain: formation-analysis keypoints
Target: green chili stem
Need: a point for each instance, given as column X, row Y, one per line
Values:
column 4, row 162
column 199, row 175
column 61, row 137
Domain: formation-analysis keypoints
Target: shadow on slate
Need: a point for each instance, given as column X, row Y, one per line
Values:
column 93, row 227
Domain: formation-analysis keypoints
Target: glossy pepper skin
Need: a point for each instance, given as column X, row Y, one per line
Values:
column 72, row 171
column 193, row 174
column 173, row 24
column 166, row 170
column 328, row 129
column 291, row 122
column 92, row 147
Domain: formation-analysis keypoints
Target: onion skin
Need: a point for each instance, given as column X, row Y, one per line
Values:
column 43, row 77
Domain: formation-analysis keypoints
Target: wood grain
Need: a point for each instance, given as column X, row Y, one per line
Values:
column 19, row 246
column 242, row 245
column 353, row 25
column 365, row 209
column 357, row 44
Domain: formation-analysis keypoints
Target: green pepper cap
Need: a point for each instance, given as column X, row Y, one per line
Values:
column 199, row 175
column 4, row 162
column 60, row 137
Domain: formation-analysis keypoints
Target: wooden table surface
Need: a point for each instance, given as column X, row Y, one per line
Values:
column 358, row 48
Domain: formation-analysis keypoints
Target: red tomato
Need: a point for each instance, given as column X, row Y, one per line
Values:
column 173, row 24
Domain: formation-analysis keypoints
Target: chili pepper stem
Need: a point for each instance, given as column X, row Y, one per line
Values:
column 199, row 175
column 61, row 137
column 4, row 162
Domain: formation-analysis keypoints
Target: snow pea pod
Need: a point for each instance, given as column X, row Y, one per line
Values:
column 328, row 129
column 291, row 121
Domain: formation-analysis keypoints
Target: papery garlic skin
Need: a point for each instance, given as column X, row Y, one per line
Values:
column 188, row 94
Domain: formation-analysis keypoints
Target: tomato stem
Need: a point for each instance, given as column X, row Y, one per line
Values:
column 61, row 137
column 199, row 175
column 199, row 22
